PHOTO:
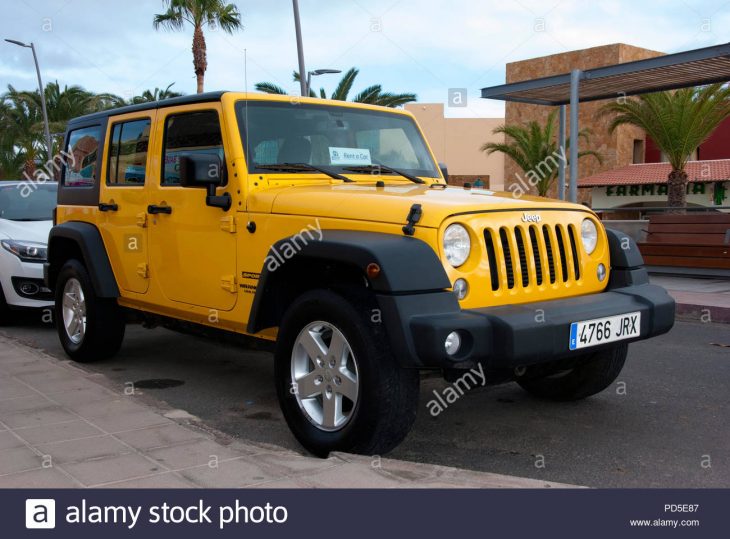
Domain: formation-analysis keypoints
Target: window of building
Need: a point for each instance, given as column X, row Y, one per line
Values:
column 638, row 151
column 189, row 134
column 128, row 153
column 83, row 152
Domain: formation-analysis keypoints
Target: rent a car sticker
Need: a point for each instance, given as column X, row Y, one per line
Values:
column 349, row 156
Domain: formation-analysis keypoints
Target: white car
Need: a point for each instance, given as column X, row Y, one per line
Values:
column 26, row 217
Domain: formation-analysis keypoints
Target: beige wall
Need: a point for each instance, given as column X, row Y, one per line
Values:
column 616, row 148
column 456, row 142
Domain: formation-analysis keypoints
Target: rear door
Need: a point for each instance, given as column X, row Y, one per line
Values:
column 123, row 198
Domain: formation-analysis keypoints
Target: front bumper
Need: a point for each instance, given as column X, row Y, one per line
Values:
column 514, row 335
column 22, row 283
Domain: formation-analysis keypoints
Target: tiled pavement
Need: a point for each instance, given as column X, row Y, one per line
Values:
column 60, row 426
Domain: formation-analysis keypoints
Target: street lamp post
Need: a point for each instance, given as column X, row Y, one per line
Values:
column 300, row 50
column 318, row 72
column 49, row 144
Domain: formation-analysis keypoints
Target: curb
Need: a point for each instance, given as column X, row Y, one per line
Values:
column 703, row 313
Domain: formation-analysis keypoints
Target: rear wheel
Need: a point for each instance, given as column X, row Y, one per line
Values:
column 592, row 375
column 90, row 328
column 339, row 386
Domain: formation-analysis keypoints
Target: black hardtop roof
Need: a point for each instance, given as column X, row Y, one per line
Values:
column 183, row 100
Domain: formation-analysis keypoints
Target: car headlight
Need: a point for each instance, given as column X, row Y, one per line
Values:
column 27, row 251
column 457, row 244
column 589, row 235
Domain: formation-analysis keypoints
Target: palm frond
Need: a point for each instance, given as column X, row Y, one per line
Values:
column 345, row 85
column 270, row 88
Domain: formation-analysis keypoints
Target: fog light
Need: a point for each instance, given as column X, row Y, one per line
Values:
column 601, row 272
column 29, row 289
column 452, row 343
column 461, row 288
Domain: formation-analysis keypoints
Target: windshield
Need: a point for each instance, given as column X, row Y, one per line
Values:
column 338, row 138
column 28, row 203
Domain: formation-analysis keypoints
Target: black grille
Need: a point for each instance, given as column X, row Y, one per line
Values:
column 574, row 250
column 507, row 257
column 551, row 250
column 536, row 254
column 492, row 259
column 523, row 257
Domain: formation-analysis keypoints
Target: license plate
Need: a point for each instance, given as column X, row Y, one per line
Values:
column 604, row 330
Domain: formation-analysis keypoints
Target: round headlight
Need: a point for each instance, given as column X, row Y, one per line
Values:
column 589, row 235
column 457, row 245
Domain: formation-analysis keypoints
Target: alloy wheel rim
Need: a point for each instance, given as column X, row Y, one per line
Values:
column 324, row 376
column 74, row 311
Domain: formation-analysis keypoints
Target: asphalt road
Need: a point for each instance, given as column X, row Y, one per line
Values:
column 665, row 423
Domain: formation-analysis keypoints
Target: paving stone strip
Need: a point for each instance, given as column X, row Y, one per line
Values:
column 60, row 427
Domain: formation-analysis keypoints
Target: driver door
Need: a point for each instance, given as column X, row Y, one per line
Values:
column 192, row 246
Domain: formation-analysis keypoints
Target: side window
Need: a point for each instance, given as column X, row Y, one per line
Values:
column 128, row 153
column 83, row 150
column 187, row 134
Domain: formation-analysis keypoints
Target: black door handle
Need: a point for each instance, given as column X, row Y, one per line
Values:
column 103, row 206
column 153, row 208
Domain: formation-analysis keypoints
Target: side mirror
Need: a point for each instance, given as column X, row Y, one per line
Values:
column 205, row 170
column 444, row 171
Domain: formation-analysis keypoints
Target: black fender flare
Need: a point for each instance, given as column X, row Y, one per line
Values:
column 627, row 264
column 407, row 265
column 91, row 245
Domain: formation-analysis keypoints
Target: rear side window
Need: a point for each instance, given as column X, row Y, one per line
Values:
column 128, row 153
column 187, row 134
column 83, row 150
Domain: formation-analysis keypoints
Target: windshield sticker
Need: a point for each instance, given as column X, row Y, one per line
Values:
column 349, row 156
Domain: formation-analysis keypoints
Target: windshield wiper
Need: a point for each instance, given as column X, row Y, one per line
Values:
column 284, row 167
column 378, row 167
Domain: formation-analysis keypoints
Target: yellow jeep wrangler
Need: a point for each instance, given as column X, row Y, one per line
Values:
column 327, row 228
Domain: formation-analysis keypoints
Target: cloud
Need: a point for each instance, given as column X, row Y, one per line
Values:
column 424, row 46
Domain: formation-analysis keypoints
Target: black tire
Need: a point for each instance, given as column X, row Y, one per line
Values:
column 387, row 397
column 594, row 374
column 104, row 328
column 5, row 314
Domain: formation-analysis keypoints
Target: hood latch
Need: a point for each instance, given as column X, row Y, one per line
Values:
column 414, row 215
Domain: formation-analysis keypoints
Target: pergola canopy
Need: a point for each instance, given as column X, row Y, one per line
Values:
column 671, row 71
column 668, row 72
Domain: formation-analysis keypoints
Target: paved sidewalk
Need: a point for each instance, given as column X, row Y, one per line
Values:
column 697, row 298
column 63, row 426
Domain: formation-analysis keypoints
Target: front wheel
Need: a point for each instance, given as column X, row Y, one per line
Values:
column 595, row 373
column 90, row 328
column 339, row 386
column 5, row 314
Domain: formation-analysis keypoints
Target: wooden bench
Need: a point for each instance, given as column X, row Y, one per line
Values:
column 695, row 240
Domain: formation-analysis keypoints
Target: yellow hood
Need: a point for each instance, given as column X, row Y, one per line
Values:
column 390, row 204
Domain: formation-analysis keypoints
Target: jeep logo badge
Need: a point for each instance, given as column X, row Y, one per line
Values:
column 531, row 218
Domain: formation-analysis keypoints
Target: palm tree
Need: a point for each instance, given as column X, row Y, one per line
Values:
column 199, row 13
column 158, row 94
column 678, row 122
column 21, row 122
column 373, row 95
column 22, row 128
column 11, row 161
column 62, row 105
column 534, row 148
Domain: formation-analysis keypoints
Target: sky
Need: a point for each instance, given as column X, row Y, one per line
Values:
column 422, row 46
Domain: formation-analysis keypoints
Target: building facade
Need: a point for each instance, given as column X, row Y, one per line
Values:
column 457, row 142
column 617, row 148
